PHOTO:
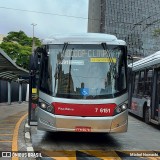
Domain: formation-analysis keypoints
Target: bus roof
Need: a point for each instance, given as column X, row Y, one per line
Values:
column 84, row 38
column 148, row 61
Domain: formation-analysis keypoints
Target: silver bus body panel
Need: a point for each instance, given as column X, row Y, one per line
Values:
column 51, row 122
column 49, row 99
column 140, row 104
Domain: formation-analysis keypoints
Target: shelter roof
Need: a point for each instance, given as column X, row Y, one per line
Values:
column 10, row 71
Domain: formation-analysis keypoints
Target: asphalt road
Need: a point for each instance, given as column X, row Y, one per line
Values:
column 140, row 137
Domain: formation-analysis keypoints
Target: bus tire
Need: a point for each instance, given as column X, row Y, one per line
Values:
column 146, row 115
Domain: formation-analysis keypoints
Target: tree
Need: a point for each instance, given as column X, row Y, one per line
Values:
column 19, row 46
column 156, row 32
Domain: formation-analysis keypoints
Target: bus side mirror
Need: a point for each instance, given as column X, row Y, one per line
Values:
column 35, row 58
column 39, row 51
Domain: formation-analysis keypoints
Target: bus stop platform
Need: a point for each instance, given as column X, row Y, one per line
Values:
column 12, row 128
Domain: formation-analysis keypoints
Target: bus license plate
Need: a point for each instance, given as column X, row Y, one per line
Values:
column 82, row 129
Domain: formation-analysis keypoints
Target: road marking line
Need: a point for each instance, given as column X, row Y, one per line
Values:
column 7, row 124
column 152, row 158
column 64, row 158
column 61, row 155
column 6, row 121
column 72, row 155
column 6, row 128
column 15, row 117
column 8, row 139
column 15, row 135
column 5, row 134
column 105, row 155
column 13, row 123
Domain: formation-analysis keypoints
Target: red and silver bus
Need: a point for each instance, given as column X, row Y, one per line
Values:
column 82, row 83
column 145, row 89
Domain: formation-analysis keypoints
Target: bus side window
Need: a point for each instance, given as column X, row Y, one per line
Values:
column 141, row 84
column 158, row 88
column 135, row 88
column 148, row 82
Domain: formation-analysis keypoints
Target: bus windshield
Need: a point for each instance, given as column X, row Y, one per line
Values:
column 84, row 71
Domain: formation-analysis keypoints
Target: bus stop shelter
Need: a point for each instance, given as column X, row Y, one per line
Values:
column 9, row 72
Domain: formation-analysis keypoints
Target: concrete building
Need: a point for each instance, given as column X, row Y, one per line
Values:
column 94, row 16
column 134, row 21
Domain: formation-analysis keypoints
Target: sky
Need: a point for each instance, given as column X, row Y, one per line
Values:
column 47, row 14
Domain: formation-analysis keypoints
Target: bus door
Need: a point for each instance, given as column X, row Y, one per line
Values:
column 130, row 87
column 156, row 96
column 33, row 100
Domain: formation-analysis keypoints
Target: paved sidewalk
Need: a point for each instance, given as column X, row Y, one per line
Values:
column 12, row 129
column 8, row 110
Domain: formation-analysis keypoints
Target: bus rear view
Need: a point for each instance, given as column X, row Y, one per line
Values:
column 83, row 84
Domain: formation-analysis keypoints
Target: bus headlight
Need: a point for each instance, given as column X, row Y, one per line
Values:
column 46, row 107
column 43, row 105
column 120, row 109
column 124, row 106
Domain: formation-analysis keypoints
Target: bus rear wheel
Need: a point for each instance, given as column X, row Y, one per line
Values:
column 146, row 116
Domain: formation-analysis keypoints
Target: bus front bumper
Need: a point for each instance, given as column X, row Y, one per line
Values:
column 51, row 122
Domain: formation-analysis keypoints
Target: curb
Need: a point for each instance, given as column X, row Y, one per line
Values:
column 27, row 137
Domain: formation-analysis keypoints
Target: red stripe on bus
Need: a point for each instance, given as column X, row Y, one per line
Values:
column 84, row 109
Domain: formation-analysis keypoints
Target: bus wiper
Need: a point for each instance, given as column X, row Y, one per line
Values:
column 111, row 62
column 70, row 66
column 104, row 45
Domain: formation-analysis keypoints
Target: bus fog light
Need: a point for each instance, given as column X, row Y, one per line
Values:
column 118, row 109
column 49, row 108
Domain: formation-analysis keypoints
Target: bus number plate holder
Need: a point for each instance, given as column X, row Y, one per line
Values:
column 82, row 129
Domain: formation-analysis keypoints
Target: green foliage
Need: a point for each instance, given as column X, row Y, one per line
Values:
column 19, row 46
column 156, row 32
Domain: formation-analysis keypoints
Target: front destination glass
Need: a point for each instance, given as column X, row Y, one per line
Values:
column 84, row 71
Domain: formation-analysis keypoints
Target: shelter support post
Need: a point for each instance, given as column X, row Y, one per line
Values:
column 20, row 92
column 9, row 92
